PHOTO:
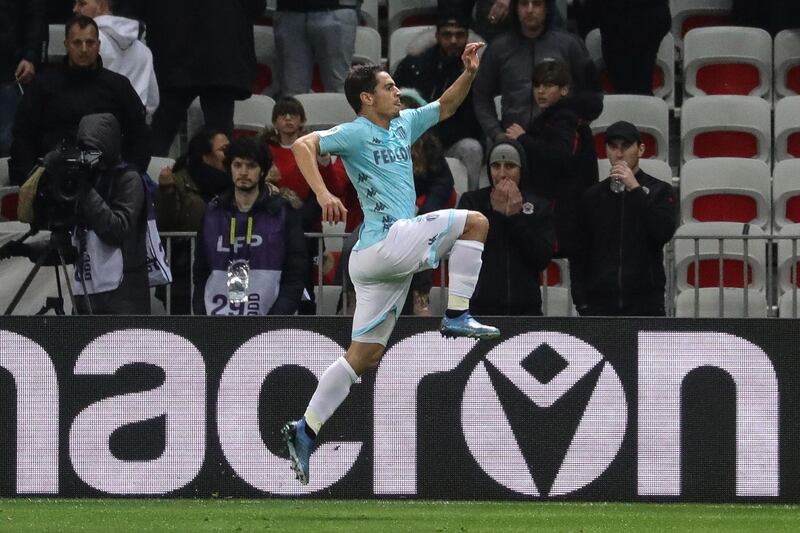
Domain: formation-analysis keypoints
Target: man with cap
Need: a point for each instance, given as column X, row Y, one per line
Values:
column 520, row 240
column 626, row 219
column 430, row 68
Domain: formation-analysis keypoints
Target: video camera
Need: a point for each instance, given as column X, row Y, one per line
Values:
column 69, row 173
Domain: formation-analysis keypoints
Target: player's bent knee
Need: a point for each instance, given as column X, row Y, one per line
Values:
column 477, row 226
column 364, row 356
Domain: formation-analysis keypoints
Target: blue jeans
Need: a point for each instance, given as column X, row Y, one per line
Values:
column 9, row 98
column 324, row 38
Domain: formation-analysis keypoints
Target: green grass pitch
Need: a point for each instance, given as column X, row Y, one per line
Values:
column 377, row 516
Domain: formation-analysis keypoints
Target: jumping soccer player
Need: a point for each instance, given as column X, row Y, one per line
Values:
column 393, row 243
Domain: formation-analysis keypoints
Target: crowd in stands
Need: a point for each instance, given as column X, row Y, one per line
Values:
column 132, row 68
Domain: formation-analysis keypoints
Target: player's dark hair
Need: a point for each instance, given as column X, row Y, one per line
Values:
column 81, row 22
column 248, row 148
column 288, row 105
column 551, row 72
column 360, row 79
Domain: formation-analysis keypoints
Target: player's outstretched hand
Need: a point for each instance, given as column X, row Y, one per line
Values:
column 333, row 209
column 470, row 57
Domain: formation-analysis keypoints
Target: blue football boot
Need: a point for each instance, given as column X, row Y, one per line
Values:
column 300, row 446
column 466, row 326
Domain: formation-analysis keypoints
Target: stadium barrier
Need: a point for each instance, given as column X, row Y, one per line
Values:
column 557, row 409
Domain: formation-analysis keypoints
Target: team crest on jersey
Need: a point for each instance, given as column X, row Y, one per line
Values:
column 401, row 132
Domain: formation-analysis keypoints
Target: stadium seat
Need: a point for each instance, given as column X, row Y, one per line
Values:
column 368, row 47
column 690, row 14
column 252, row 115
column 733, row 303
column 266, row 79
column 663, row 70
column 786, row 61
column 726, row 189
column 9, row 198
column 324, row 110
column 4, row 179
column 411, row 13
column 557, row 301
column 649, row 113
column 787, row 128
column 655, row 167
column 557, row 273
column 56, row 52
column 369, row 14
column 786, row 193
column 459, row 172
column 727, row 60
column 726, row 126
column 156, row 164
column 333, row 244
column 789, row 305
column 743, row 260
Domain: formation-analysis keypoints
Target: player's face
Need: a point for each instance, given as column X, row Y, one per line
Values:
column 547, row 94
column 532, row 15
column 385, row 98
column 504, row 170
column 452, row 40
column 246, row 174
column 620, row 150
column 83, row 46
column 216, row 158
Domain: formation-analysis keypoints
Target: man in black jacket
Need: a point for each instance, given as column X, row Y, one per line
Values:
column 520, row 240
column 56, row 100
column 626, row 220
column 22, row 41
column 431, row 70
column 200, row 48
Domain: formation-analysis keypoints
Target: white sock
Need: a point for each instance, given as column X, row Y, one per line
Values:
column 332, row 389
column 465, row 266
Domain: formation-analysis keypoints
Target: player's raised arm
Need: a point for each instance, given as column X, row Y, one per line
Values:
column 457, row 92
column 306, row 150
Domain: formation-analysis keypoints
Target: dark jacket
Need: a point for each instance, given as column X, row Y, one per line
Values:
column 202, row 43
column 431, row 74
column 305, row 6
column 507, row 67
column 516, row 250
column 23, row 34
column 619, row 269
column 180, row 206
column 563, row 162
column 56, row 100
column 115, row 210
column 295, row 257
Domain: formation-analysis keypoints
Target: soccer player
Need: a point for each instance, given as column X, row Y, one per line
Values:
column 393, row 243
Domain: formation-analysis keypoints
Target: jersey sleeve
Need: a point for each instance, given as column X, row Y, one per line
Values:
column 340, row 140
column 420, row 120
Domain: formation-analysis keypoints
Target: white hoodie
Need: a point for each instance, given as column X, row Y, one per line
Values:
column 125, row 54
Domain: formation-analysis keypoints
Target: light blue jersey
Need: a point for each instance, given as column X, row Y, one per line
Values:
column 378, row 162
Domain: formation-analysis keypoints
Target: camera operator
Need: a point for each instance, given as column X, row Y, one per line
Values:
column 111, row 228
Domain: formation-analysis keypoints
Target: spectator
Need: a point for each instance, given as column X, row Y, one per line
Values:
column 520, row 241
column 626, row 220
column 201, row 48
column 490, row 17
column 55, row 102
column 197, row 177
column 22, row 42
column 560, row 149
column 631, row 32
column 251, row 234
column 112, row 226
column 121, row 50
column 430, row 68
column 508, row 64
column 314, row 32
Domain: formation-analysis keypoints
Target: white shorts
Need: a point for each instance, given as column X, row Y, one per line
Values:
column 382, row 273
